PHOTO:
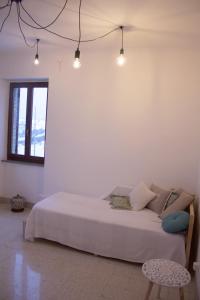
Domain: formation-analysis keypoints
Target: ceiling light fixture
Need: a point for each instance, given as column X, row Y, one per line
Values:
column 36, row 61
column 77, row 63
column 29, row 21
column 121, row 58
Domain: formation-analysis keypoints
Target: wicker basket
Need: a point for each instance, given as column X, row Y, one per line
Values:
column 17, row 203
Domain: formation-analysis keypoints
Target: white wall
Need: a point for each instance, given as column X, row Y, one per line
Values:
column 110, row 125
column 15, row 178
column 4, row 94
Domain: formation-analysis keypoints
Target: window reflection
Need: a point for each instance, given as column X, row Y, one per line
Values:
column 26, row 281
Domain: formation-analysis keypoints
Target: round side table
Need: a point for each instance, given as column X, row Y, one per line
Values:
column 166, row 273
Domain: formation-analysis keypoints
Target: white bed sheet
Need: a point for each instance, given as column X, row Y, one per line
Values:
column 89, row 224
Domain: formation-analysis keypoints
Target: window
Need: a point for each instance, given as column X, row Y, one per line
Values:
column 27, row 121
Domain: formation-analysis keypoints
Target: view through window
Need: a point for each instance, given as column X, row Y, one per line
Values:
column 27, row 121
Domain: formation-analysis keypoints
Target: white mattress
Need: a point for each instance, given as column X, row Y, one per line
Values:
column 90, row 224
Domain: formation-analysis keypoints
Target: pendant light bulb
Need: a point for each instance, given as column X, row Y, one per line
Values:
column 36, row 60
column 121, row 59
column 77, row 63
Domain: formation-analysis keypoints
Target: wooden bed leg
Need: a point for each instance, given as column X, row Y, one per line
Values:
column 158, row 293
column 189, row 234
column 148, row 293
column 181, row 293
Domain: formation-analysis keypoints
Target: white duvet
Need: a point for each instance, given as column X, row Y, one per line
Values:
column 89, row 224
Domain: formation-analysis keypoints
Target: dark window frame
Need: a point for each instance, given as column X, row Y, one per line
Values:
column 27, row 156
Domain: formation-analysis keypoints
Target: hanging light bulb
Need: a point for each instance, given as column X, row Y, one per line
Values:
column 77, row 63
column 36, row 60
column 121, row 59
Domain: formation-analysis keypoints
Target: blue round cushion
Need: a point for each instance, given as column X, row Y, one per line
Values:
column 176, row 222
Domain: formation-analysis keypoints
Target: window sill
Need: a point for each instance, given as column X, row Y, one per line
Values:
column 27, row 163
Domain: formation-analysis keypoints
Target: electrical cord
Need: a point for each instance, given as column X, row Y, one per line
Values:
column 2, row 25
column 21, row 30
column 6, row 5
column 51, row 23
column 122, row 29
column 50, row 31
column 101, row 36
column 40, row 27
column 65, row 37
column 79, row 23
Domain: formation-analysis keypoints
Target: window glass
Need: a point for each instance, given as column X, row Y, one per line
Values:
column 27, row 121
column 19, row 106
column 38, row 121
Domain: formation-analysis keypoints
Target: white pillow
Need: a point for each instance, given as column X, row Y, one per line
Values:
column 140, row 196
column 122, row 190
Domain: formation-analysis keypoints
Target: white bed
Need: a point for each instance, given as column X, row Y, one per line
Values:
column 89, row 224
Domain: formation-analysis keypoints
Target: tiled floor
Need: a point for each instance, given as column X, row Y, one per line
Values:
column 47, row 271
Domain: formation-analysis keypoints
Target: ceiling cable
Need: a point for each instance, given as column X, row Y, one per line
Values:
column 77, row 63
column 60, row 35
column 36, row 25
column 51, row 23
column 4, row 6
column 21, row 30
column 121, row 59
column 36, row 61
column 4, row 21
column 79, row 23
column 122, row 29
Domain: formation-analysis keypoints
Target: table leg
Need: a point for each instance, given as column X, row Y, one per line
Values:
column 181, row 293
column 158, row 293
column 148, row 290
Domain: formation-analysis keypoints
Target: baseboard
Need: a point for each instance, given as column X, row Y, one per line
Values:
column 5, row 200
column 29, row 204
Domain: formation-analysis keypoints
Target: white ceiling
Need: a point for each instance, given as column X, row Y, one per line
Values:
column 150, row 22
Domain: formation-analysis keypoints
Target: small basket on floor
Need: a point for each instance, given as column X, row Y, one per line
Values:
column 17, row 203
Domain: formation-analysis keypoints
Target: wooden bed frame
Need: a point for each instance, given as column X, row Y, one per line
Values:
column 188, row 238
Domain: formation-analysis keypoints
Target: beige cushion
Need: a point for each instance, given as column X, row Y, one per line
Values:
column 120, row 202
column 140, row 196
column 172, row 197
column 181, row 203
column 119, row 191
column 158, row 203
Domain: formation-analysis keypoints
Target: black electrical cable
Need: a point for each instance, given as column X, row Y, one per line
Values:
column 52, row 32
column 57, row 34
column 21, row 30
column 1, row 28
column 19, row 5
column 65, row 37
column 40, row 27
column 6, row 5
column 37, row 42
column 51, row 23
column 2, row 7
column 79, row 23
column 122, row 28
column 101, row 36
